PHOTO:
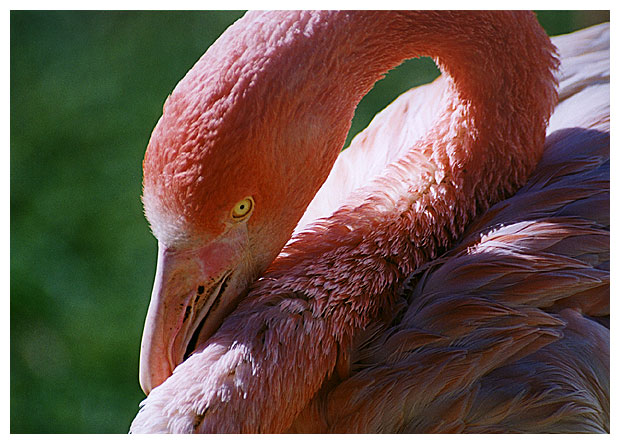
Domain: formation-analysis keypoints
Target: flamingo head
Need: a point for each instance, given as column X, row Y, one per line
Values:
column 230, row 168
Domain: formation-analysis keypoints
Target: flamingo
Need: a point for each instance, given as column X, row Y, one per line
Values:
column 450, row 275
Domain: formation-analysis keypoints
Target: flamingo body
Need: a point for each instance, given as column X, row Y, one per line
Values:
column 362, row 324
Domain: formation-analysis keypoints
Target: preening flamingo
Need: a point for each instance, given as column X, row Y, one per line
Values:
column 373, row 318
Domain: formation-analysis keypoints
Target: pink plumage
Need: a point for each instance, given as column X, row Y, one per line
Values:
column 416, row 295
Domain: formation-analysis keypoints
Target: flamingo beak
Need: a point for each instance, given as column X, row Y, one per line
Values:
column 192, row 294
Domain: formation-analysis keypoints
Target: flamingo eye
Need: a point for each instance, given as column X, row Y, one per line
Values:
column 242, row 209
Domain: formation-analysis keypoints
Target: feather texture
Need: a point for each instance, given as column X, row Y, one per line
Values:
column 373, row 319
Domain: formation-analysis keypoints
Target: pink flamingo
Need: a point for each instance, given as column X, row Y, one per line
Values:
column 367, row 321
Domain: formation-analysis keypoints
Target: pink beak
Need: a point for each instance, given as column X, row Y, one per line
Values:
column 187, row 305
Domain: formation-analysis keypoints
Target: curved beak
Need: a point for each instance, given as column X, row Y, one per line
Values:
column 194, row 291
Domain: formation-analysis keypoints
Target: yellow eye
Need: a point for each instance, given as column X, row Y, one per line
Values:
column 242, row 209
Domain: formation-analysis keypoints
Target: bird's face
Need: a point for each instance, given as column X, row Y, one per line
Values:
column 220, row 216
column 222, row 203
column 197, row 283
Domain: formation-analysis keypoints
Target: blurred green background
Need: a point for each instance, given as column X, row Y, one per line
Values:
column 86, row 90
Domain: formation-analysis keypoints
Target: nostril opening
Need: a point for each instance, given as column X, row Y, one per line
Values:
column 201, row 289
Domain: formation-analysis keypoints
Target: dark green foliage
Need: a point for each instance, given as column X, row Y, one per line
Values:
column 86, row 90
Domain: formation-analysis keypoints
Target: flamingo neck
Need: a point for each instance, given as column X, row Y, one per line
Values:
column 500, row 90
column 272, row 355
